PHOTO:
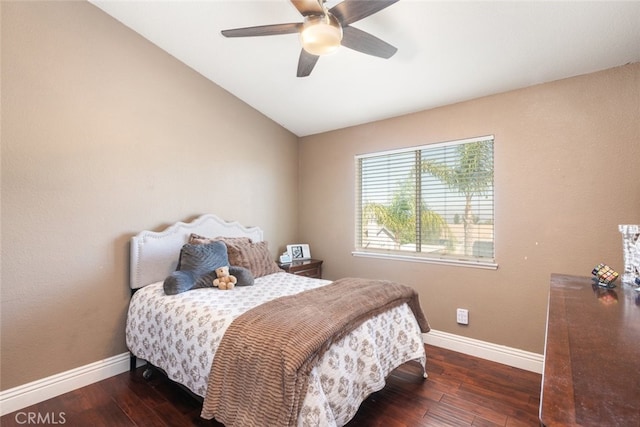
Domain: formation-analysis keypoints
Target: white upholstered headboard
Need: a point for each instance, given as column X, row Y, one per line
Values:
column 154, row 254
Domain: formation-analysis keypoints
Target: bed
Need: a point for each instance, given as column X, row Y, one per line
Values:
column 337, row 366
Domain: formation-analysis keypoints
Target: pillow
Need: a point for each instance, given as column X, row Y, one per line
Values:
column 196, row 267
column 179, row 281
column 205, row 257
column 242, row 252
column 244, row 276
column 235, row 243
column 253, row 256
column 235, row 249
column 197, row 239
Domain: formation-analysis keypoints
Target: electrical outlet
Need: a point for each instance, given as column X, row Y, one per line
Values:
column 462, row 316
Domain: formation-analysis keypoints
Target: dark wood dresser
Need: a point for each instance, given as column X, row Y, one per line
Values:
column 307, row 267
column 592, row 355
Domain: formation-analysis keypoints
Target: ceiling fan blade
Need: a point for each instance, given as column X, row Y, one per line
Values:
column 308, row 7
column 264, row 30
column 306, row 63
column 350, row 11
column 364, row 42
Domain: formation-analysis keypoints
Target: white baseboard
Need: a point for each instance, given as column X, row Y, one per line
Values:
column 37, row 391
column 485, row 350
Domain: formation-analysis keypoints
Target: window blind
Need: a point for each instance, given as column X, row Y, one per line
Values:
column 432, row 202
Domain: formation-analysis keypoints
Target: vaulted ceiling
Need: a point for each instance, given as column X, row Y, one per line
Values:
column 448, row 51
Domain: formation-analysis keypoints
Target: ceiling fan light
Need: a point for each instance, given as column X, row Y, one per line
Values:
column 321, row 35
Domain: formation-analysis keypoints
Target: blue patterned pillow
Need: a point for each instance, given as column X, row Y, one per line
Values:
column 196, row 267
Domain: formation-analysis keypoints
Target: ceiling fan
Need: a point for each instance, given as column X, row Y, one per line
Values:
column 323, row 31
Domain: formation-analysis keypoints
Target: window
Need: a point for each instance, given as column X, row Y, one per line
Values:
column 431, row 203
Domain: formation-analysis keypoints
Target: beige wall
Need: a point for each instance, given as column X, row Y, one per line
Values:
column 103, row 135
column 566, row 174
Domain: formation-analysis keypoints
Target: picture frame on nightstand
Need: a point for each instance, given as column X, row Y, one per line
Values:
column 299, row 251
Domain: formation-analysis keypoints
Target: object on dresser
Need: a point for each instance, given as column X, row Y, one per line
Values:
column 630, row 252
column 285, row 258
column 605, row 275
column 298, row 251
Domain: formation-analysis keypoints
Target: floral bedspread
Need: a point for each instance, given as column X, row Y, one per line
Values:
column 180, row 334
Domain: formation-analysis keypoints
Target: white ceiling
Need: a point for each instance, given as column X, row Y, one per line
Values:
column 448, row 51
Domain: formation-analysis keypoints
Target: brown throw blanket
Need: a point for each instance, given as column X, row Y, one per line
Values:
column 260, row 371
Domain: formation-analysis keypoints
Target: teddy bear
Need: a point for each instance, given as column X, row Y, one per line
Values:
column 224, row 279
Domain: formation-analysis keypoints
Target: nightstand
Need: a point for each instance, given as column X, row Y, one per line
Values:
column 307, row 267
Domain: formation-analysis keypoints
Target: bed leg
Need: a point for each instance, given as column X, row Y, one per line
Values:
column 148, row 372
column 423, row 365
column 133, row 365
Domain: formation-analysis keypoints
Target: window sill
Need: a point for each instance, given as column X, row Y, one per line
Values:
column 441, row 261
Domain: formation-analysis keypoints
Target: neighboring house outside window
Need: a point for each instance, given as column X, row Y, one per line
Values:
column 431, row 203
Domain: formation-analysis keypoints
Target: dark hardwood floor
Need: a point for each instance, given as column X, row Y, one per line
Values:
column 460, row 391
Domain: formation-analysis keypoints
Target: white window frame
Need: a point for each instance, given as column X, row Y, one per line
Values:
column 419, row 256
